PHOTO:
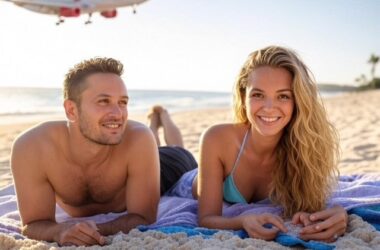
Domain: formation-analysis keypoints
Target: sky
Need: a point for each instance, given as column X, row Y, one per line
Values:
column 191, row 45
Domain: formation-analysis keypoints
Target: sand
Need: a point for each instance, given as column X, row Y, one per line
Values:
column 359, row 235
column 191, row 124
column 356, row 116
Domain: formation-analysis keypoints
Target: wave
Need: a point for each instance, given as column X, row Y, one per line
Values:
column 34, row 101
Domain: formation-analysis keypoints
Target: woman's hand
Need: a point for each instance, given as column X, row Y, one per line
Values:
column 254, row 225
column 326, row 225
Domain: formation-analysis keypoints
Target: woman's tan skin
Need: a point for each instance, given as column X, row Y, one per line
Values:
column 269, row 105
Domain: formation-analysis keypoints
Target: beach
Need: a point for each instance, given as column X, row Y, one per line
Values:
column 356, row 116
column 191, row 124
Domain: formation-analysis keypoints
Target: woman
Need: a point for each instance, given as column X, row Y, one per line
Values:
column 282, row 146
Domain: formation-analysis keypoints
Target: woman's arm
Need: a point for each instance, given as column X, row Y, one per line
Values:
column 210, row 190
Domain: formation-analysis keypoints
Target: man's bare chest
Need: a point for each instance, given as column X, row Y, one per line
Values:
column 76, row 188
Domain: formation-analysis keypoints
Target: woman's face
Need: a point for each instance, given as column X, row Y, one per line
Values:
column 269, row 100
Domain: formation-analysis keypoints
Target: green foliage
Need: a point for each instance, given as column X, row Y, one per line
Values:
column 374, row 84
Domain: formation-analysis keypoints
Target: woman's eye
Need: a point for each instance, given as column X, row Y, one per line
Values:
column 284, row 97
column 257, row 95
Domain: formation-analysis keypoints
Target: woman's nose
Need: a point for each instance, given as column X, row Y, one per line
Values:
column 268, row 103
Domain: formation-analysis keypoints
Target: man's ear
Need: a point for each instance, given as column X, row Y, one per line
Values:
column 71, row 110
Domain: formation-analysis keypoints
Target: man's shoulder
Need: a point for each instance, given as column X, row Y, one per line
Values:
column 40, row 133
column 135, row 128
column 137, row 133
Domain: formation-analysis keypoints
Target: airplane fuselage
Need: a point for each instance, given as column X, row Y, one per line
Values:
column 69, row 8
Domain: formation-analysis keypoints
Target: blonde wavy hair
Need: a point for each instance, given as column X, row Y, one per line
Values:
column 308, row 152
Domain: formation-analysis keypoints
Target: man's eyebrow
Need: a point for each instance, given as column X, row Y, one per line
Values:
column 106, row 95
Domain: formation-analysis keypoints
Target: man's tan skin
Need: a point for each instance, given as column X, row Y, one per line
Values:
column 96, row 162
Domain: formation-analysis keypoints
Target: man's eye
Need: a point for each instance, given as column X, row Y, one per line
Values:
column 103, row 101
column 123, row 103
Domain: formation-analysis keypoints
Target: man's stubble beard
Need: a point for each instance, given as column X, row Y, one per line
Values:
column 88, row 132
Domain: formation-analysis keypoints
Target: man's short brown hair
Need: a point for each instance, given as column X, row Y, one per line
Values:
column 74, row 82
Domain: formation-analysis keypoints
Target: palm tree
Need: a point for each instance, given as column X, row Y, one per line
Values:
column 362, row 79
column 373, row 60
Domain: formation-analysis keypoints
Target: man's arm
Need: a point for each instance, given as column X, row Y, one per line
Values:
column 142, row 185
column 81, row 233
column 36, row 198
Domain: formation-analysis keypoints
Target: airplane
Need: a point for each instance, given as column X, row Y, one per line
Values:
column 74, row 8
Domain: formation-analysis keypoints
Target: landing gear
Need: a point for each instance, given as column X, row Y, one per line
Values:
column 60, row 20
column 89, row 19
column 134, row 11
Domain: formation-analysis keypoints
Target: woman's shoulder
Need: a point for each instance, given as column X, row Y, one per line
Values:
column 224, row 131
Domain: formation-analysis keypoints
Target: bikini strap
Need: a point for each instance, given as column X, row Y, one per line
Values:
column 240, row 151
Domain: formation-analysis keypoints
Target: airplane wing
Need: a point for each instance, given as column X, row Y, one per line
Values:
column 74, row 8
column 82, row 4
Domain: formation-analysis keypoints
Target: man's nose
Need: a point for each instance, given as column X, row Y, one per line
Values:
column 116, row 110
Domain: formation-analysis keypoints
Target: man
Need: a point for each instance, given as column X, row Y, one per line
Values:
column 96, row 162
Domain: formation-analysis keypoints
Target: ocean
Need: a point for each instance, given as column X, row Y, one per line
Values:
column 47, row 101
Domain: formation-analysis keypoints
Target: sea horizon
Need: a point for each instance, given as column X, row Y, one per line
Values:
column 41, row 100
column 26, row 101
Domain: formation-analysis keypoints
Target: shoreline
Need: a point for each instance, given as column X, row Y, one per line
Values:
column 355, row 115
column 176, row 104
column 190, row 122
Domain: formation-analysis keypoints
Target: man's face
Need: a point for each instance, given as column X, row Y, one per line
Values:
column 103, row 109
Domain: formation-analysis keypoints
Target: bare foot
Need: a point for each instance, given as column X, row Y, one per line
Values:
column 153, row 116
column 172, row 135
column 158, row 117
column 154, row 122
column 158, row 108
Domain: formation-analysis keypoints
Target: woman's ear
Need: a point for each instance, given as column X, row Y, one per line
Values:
column 242, row 97
column 71, row 110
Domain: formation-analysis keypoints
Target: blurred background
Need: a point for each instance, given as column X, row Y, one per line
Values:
column 176, row 46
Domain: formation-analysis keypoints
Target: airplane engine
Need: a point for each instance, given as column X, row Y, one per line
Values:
column 68, row 12
column 109, row 13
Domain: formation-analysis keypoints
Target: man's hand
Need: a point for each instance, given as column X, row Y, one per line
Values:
column 80, row 234
column 326, row 225
column 254, row 225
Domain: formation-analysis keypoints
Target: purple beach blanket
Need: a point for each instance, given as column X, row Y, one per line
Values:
column 356, row 191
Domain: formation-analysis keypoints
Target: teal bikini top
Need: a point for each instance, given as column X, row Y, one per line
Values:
column 230, row 192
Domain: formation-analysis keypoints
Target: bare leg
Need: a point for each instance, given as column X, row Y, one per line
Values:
column 154, row 123
column 172, row 135
column 157, row 117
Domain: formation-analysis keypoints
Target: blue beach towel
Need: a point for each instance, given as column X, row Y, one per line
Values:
column 359, row 194
column 371, row 214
